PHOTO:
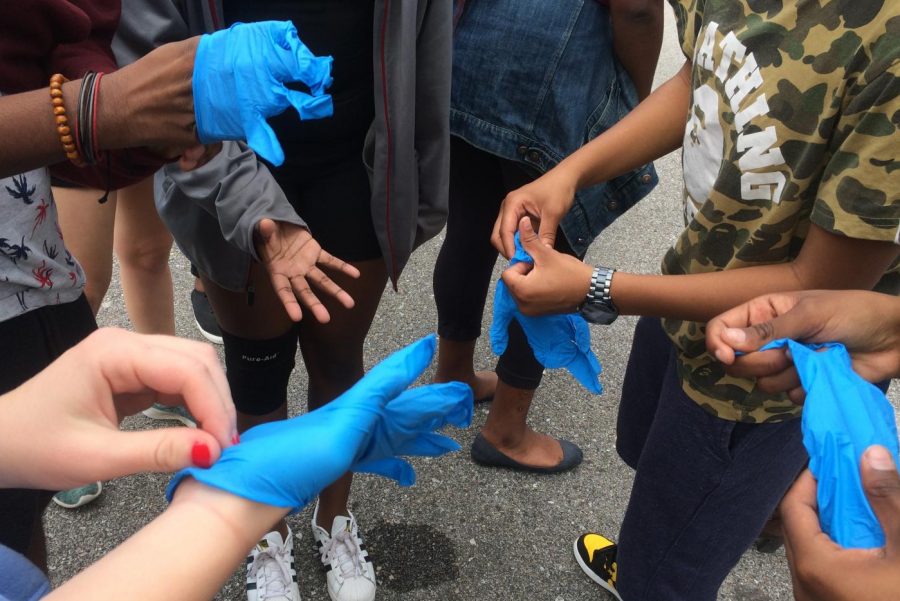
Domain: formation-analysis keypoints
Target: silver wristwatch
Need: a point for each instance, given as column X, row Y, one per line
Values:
column 598, row 306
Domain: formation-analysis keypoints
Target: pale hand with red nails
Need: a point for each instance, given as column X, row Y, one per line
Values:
column 83, row 395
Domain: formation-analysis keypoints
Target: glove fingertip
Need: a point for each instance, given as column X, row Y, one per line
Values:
column 407, row 477
column 425, row 345
column 460, row 415
column 418, row 356
column 314, row 107
column 451, row 446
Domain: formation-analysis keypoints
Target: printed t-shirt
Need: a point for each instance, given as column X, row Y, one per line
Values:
column 36, row 268
column 794, row 115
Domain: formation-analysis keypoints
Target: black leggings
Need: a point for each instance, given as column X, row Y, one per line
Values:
column 35, row 339
column 479, row 181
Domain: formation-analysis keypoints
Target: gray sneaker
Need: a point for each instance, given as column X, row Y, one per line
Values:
column 164, row 412
column 205, row 318
column 76, row 497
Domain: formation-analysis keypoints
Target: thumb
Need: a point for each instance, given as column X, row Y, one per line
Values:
column 394, row 374
column 265, row 238
column 262, row 139
column 311, row 107
column 547, row 230
column 266, row 228
column 514, row 276
column 789, row 325
column 882, row 485
column 531, row 242
column 163, row 450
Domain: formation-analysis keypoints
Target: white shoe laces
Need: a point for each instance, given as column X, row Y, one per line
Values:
column 344, row 547
column 271, row 568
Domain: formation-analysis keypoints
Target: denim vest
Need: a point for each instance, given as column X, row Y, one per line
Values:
column 533, row 81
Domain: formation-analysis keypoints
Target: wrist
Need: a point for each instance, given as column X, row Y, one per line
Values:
column 246, row 520
column 565, row 178
column 598, row 306
column 150, row 102
column 115, row 116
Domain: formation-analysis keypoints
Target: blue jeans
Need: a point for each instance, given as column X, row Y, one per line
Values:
column 704, row 487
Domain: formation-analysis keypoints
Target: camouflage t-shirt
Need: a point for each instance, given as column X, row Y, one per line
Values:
column 794, row 116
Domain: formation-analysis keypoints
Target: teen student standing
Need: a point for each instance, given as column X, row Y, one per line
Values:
column 785, row 120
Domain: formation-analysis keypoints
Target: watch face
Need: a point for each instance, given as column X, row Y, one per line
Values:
column 598, row 312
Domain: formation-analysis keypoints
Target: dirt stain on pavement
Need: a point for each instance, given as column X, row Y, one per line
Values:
column 398, row 551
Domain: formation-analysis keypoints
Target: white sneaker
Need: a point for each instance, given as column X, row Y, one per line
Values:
column 350, row 574
column 164, row 412
column 270, row 569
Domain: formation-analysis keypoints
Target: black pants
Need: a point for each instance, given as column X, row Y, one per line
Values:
column 704, row 486
column 479, row 181
column 33, row 341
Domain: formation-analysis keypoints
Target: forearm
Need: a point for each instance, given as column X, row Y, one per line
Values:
column 826, row 262
column 236, row 189
column 148, row 103
column 654, row 128
column 28, row 119
column 698, row 297
column 186, row 553
column 637, row 37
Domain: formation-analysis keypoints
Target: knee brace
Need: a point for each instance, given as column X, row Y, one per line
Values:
column 258, row 371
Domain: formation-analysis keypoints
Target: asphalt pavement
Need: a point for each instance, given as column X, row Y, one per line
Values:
column 462, row 532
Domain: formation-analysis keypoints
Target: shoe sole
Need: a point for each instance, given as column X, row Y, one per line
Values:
column 82, row 501
column 211, row 337
column 154, row 413
column 590, row 573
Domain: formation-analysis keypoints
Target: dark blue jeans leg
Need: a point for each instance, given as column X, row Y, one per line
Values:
column 703, row 490
column 643, row 383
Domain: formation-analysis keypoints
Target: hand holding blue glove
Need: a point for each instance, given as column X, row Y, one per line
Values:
column 842, row 417
column 557, row 340
column 287, row 463
column 239, row 82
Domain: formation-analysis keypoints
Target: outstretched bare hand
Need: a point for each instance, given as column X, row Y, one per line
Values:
column 293, row 258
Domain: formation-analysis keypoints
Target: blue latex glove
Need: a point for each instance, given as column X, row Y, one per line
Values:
column 239, row 82
column 557, row 340
column 287, row 463
column 843, row 416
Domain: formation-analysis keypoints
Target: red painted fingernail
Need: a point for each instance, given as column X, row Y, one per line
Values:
column 200, row 455
column 236, row 438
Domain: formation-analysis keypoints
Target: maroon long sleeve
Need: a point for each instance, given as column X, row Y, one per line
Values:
column 42, row 37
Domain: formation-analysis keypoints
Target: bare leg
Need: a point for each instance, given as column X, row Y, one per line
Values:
column 333, row 354
column 87, row 227
column 143, row 244
column 507, row 429
column 456, row 360
column 263, row 320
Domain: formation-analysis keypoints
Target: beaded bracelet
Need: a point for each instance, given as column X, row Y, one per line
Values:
column 62, row 121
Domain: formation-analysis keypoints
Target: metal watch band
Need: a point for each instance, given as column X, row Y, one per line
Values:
column 601, row 282
column 598, row 306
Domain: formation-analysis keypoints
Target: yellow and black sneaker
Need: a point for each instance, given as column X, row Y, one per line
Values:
column 596, row 555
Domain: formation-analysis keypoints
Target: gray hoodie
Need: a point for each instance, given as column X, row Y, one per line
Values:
column 212, row 211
